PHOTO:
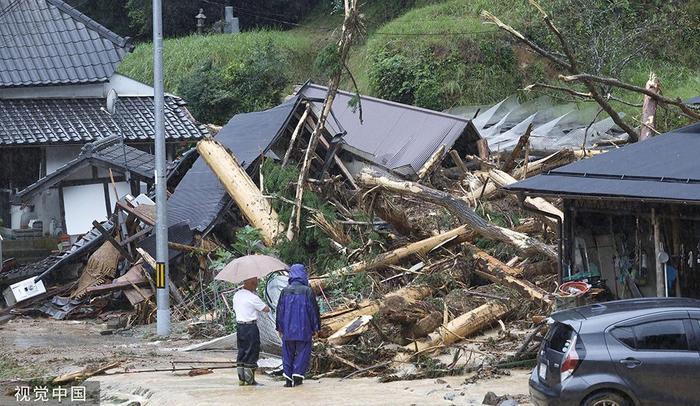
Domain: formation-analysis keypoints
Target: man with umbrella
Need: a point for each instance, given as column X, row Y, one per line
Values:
column 297, row 320
column 247, row 306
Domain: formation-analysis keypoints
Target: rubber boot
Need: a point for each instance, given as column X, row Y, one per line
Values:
column 246, row 376
column 298, row 380
column 288, row 382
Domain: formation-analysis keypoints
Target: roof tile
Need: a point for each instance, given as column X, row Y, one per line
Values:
column 51, row 121
column 44, row 42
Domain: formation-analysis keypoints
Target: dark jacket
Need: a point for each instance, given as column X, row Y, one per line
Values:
column 298, row 315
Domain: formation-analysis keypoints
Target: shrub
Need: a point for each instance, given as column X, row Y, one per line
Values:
column 254, row 82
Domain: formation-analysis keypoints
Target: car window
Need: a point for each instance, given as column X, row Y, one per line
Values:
column 661, row 335
column 655, row 335
column 625, row 335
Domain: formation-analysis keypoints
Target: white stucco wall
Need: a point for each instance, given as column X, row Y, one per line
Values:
column 124, row 86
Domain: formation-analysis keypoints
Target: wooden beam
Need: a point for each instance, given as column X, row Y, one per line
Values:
column 113, row 241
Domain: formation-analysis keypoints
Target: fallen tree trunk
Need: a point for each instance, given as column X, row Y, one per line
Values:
column 254, row 207
column 503, row 179
column 649, row 109
column 408, row 295
column 496, row 271
column 460, row 208
column 463, row 326
column 460, row 234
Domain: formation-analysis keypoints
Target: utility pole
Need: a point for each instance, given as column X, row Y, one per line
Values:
column 162, row 268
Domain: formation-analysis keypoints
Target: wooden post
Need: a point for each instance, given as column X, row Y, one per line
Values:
column 649, row 109
column 660, row 281
column 244, row 192
column 509, row 164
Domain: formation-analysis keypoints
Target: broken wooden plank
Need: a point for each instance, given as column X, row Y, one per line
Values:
column 253, row 205
column 114, row 286
column 503, row 179
column 509, row 164
column 431, row 163
column 496, row 271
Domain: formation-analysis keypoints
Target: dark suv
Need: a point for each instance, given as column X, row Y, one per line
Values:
column 621, row 353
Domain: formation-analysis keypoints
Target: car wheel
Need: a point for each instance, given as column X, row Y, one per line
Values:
column 606, row 398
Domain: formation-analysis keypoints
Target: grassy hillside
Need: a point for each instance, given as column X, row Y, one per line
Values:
column 184, row 55
column 433, row 53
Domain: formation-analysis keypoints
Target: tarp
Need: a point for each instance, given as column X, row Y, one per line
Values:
column 665, row 167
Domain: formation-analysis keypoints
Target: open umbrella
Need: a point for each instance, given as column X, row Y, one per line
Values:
column 250, row 266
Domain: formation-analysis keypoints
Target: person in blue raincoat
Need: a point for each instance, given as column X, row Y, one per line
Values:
column 298, row 318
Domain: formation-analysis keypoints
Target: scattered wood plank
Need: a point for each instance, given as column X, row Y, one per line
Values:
column 431, row 163
column 496, row 271
column 503, row 179
column 509, row 164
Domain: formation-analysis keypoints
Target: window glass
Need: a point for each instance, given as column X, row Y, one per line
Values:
column 625, row 335
column 661, row 335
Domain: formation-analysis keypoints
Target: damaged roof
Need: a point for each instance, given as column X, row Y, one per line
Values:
column 80, row 120
column 200, row 198
column 396, row 136
column 106, row 153
column 48, row 42
column 662, row 168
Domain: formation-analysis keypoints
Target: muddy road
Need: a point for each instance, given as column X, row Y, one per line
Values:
column 36, row 348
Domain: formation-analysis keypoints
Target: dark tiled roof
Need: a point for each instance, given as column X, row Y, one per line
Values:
column 80, row 120
column 48, row 42
column 109, row 152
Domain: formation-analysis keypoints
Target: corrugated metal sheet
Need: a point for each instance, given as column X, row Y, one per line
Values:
column 398, row 137
column 664, row 167
column 48, row 42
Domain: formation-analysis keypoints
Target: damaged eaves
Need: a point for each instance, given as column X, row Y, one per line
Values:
column 107, row 153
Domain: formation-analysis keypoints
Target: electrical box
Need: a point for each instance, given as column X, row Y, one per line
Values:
column 23, row 290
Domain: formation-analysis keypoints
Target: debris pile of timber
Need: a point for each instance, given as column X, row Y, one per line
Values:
column 416, row 277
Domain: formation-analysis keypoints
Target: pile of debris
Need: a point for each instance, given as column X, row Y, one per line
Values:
column 412, row 247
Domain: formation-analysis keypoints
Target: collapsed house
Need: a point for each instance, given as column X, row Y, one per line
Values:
column 411, row 137
column 631, row 216
column 59, row 90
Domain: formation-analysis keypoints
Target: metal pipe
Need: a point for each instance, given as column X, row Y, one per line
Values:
column 162, row 268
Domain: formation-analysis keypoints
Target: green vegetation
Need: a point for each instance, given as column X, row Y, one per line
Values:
column 182, row 56
column 437, row 54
